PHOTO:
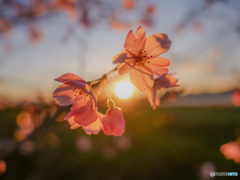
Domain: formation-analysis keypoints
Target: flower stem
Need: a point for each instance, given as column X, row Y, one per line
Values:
column 110, row 101
column 97, row 81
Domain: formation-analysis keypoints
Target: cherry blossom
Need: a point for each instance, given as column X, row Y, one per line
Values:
column 166, row 81
column 128, row 4
column 140, row 58
column 113, row 122
column 236, row 97
column 3, row 167
column 77, row 92
column 231, row 150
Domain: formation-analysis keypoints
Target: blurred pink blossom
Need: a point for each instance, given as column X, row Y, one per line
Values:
column 128, row 4
column 148, row 15
column 3, row 167
column 124, row 142
column 84, row 143
column 236, row 98
column 231, row 150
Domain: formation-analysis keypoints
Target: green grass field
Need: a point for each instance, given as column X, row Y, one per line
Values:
column 168, row 143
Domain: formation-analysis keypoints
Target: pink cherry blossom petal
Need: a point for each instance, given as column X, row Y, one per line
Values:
column 130, row 43
column 159, row 61
column 74, row 112
column 66, row 78
column 83, row 116
column 156, row 70
column 71, row 121
column 80, row 84
column 73, row 124
column 153, row 99
column 93, row 128
column 106, row 126
column 64, row 94
column 166, row 81
column 86, row 118
column 157, row 44
column 141, row 37
column 80, row 101
column 141, row 78
column 157, row 101
column 121, row 57
column 133, row 45
column 158, row 66
column 125, row 67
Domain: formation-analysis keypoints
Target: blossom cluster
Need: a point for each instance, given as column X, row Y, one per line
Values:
column 140, row 59
column 84, row 111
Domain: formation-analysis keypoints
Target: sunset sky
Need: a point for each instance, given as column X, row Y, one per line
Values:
column 204, row 55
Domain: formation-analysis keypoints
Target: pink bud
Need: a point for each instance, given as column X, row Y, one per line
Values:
column 113, row 122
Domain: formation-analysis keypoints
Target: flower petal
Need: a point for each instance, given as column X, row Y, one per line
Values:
column 73, row 124
column 74, row 112
column 153, row 99
column 83, row 116
column 141, row 78
column 121, row 57
column 64, row 94
column 106, row 126
column 166, row 82
column 130, row 43
column 66, row 78
column 80, row 101
column 157, row 101
column 79, row 84
column 157, row 44
column 141, row 37
column 133, row 45
column 159, row 61
column 124, row 68
column 94, row 127
column 158, row 66
column 87, row 118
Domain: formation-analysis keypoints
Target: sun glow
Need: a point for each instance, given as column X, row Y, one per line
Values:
column 124, row 89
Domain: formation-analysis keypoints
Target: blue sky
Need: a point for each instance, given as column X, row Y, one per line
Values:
column 204, row 62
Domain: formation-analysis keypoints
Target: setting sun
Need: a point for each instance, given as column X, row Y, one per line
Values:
column 124, row 89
